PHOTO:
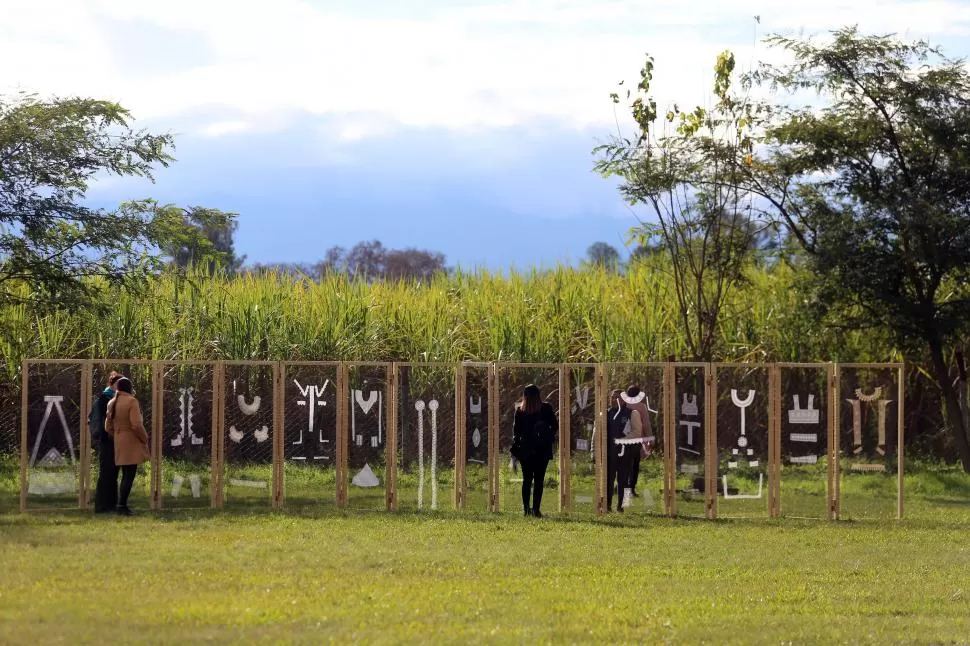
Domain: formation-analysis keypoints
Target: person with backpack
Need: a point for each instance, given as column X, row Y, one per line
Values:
column 617, row 427
column 534, row 430
column 639, row 441
column 106, row 492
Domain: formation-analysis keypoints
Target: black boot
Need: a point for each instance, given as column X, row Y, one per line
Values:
column 124, row 511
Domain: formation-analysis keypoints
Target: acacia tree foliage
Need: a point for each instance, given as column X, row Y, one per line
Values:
column 875, row 186
column 205, row 237
column 680, row 166
column 871, row 181
column 51, row 242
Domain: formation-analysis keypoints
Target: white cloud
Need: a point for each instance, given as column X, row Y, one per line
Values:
column 493, row 65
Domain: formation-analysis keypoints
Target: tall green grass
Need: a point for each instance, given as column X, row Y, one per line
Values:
column 565, row 314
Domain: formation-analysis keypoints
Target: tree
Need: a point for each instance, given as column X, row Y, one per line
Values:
column 875, row 186
column 206, row 236
column 602, row 254
column 51, row 243
column 685, row 175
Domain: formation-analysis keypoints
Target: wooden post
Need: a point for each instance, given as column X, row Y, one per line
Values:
column 84, row 440
column 601, row 447
column 494, row 474
column 218, row 405
column 461, row 433
column 157, row 431
column 835, row 408
column 343, row 395
column 565, row 442
column 669, row 403
column 774, row 441
column 24, row 382
column 390, row 446
column 278, row 484
column 710, row 454
column 900, row 437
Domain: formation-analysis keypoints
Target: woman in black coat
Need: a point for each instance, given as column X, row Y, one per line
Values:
column 106, row 493
column 534, row 430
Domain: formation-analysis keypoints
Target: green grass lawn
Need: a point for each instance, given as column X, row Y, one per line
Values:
column 315, row 574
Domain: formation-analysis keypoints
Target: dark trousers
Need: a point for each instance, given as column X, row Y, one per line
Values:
column 128, row 472
column 612, row 474
column 627, row 467
column 533, row 477
column 635, row 470
column 106, row 493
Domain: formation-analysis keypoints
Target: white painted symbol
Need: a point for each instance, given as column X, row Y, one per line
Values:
column 194, row 481
column 868, row 467
column 742, row 404
column 650, row 409
column 753, row 463
column 808, row 415
column 366, row 405
column 432, row 406
column 582, row 445
column 475, row 405
column 881, row 407
column 51, row 483
column 690, row 429
column 582, row 399
column 312, row 399
column 235, row 435
column 366, row 478
column 248, row 409
column 53, row 403
column 804, row 437
column 262, row 434
column 804, row 459
column 186, row 405
column 52, row 458
column 688, row 405
column 690, row 468
column 727, row 496
column 476, row 437
column 251, row 484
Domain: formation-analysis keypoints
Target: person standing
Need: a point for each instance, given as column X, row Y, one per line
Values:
column 106, row 492
column 617, row 421
column 639, row 440
column 534, row 430
column 125, row 424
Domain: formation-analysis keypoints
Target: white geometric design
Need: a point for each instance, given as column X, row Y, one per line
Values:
column 52, row 458
column 248, row 409
column 365, row 405
column 366, row 478
column 688, row 406
column 808, row 415
column 582, row 399
column 475, row 405
column 804, row 459
column 811, row 438
column 194, row 481
column 252, row 484
column 53, row 402
column 186, row 404
column 876, row 394
column 727, row 496
column 236, row 435
column 262, row 434
column 476, row 437
column 419, row 406
column 690, row 429
column 312, row 398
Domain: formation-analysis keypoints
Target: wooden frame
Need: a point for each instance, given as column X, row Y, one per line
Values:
column 601, row 373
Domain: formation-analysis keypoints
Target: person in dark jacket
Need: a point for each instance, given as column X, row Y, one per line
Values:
column 617, row 418
column 534, row 430
column 106, row 492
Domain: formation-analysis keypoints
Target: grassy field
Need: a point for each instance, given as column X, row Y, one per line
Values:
column 324, row 575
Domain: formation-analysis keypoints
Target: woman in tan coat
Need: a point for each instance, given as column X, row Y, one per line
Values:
column 124, row 423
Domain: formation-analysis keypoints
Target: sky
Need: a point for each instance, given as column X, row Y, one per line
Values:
column 462, row 127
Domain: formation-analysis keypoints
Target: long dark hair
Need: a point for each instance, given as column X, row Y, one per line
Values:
column 124, row 386
column 531, row 401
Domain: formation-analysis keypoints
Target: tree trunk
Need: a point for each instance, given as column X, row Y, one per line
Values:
column 951, row 399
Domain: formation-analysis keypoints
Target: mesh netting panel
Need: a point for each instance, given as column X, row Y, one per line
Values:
column 867, row 442
column 53, row 435
column 248, row 439
column 141, row 380
column 476, row 439
column 689, row 394
column 582, row 419
column 310, row 435
column 426, row 437
column 646, row 475
column 742, row 441
column 367, row 437
column 9, row 448
column 511, row 381
column 804, row 442
column 187, row 438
